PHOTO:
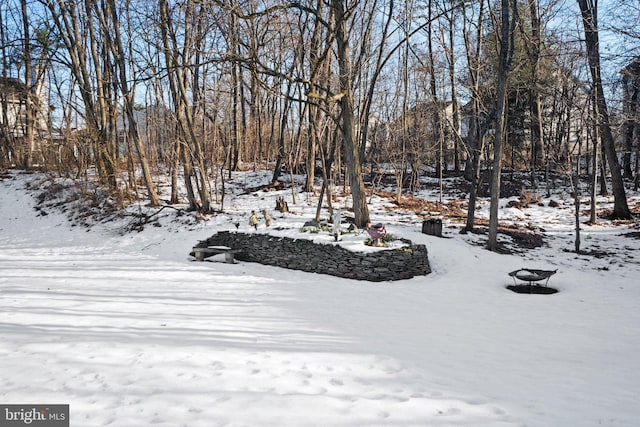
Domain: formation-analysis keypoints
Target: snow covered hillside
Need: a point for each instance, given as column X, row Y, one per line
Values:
column 128, row 331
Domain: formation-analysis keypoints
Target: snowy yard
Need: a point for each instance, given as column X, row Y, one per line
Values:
column 128, row 331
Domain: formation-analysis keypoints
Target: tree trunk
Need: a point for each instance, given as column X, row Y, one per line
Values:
column 313, row 112
column 129, row 102
column 631, row 89
column 352, row 157
column 455, row 119
column 236, row 95
column 593, row 218
column 181, row 93
column 500, row 135
column 5, row 135
column 535, row 103
column 476, row 138
column 284, row 118
column 29, row 116
column 90, row 69
column 436, row 120
column 589, row 11
column 576, row 203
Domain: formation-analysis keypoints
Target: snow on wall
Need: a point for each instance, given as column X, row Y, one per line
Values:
column 301, row 254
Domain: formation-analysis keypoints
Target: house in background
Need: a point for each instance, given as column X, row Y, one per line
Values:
column 21, row 138
column 14, row 95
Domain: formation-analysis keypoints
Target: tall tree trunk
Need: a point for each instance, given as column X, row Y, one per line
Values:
column 129, row 102
column 6, row 135
column 380, row 62
column 535, row 103
column 313, row 112
column 436, row 121
column 404, row 137
column 312, row 147
column 76, row 27
column 29, row 81
column 327, row 164
column 347, row 122
column 631, row 90
column 182, row 87
column 455, row 119
column 236, row 94
column 589, row 11
column 593, row 218
column 506, row 47
column 281, row 155
column 476, row 135
column 182, row 150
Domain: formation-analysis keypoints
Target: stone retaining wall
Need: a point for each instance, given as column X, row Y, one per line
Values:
column 305, row 255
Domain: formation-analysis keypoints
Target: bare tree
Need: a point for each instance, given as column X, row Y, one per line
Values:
column 337, row 21
column 507, row 25
column 453, row 124
column 533, row 46
column 237, row 101
column 631, row 101
column 473, row 41
column 5, row 134
column 589, row 10
column 92, row 71
column 179, row 56
column 122, row 79
column 29, row 81
column 342, row 11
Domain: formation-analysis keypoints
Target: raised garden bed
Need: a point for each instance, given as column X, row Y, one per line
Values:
column 302, row 254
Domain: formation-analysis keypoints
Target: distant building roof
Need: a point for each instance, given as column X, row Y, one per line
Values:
column 12, row 86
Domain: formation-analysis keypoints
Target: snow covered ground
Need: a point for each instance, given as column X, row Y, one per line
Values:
column 128, row 331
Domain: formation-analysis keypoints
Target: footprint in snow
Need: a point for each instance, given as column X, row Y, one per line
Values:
column 336, row 382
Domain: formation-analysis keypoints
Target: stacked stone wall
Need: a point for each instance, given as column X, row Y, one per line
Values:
column 302, row 254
